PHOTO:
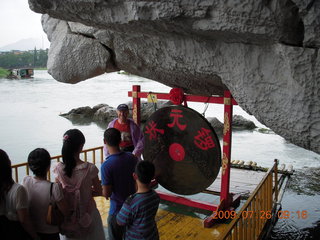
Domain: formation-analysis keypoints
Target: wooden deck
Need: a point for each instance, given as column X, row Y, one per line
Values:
column 172, row 223
column 181, row 222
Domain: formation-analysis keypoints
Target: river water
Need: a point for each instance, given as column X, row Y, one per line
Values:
column 29, row 118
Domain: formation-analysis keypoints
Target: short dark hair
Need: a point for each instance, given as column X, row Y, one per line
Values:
column 145, row 171
column 123, row 107
column 112, row 137
column 39, row 161
column 6, row 180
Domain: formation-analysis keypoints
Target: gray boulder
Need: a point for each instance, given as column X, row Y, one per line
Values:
column 240, row 123
column 79, row 113
column 147, row 108
column 217, row 126
column 264, row 52
column 102, row 114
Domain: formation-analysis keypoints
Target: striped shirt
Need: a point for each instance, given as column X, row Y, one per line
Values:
column 138, row 213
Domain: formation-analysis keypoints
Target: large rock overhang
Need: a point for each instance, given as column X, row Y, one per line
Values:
column 264, row 52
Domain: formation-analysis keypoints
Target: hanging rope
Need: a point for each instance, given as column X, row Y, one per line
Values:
column 206, row 105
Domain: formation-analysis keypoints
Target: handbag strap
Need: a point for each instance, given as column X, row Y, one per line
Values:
column 51, row 193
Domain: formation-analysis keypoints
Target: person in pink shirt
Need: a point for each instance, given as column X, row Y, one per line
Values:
column 81, row 179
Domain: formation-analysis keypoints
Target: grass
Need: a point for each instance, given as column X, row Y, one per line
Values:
column 3, row 73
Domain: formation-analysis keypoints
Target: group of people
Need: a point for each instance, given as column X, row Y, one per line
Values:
column 125, row 180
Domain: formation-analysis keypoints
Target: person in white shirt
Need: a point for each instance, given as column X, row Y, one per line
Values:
column 41, row 192
column 14, row 217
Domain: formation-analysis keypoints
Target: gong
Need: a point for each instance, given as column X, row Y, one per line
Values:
column 184, row 148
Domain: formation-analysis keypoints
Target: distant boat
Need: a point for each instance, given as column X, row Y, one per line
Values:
column 21, row 73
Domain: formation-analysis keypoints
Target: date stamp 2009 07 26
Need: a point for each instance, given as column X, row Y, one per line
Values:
column 283, row 214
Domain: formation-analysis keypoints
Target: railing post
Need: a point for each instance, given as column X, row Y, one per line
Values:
column 85, row 156
column 276, row 180
column 226, row 156
column 136, row 104
column 94, row 157
column 101, row 155
column 16, row 174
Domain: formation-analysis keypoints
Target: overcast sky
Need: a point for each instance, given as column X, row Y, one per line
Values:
column 17, row 22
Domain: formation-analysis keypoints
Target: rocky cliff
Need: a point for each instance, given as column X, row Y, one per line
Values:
column 264, row 51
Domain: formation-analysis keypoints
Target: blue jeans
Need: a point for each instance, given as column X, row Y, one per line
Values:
column 115, row 231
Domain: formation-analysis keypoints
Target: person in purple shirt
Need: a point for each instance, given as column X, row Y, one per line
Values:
column 117, row 179
column 131, row 135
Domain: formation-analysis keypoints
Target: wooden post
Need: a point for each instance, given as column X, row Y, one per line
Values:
column 136, row 115
column 276, row 180
column 226, row 155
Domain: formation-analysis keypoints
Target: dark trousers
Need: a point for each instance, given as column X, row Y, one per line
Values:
column 115, row 231
column 127, row 149
column 12, row 230
column 49, row 236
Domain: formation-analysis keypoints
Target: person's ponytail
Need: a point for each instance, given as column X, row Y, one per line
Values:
column 72, row 140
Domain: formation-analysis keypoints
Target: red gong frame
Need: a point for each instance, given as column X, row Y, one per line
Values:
column 228, row 201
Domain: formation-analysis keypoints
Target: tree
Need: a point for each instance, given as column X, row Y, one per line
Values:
column 19, row 59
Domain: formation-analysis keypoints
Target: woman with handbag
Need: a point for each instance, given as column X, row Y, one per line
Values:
column 14, row 217
column 42, row 193
column 80, row 183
